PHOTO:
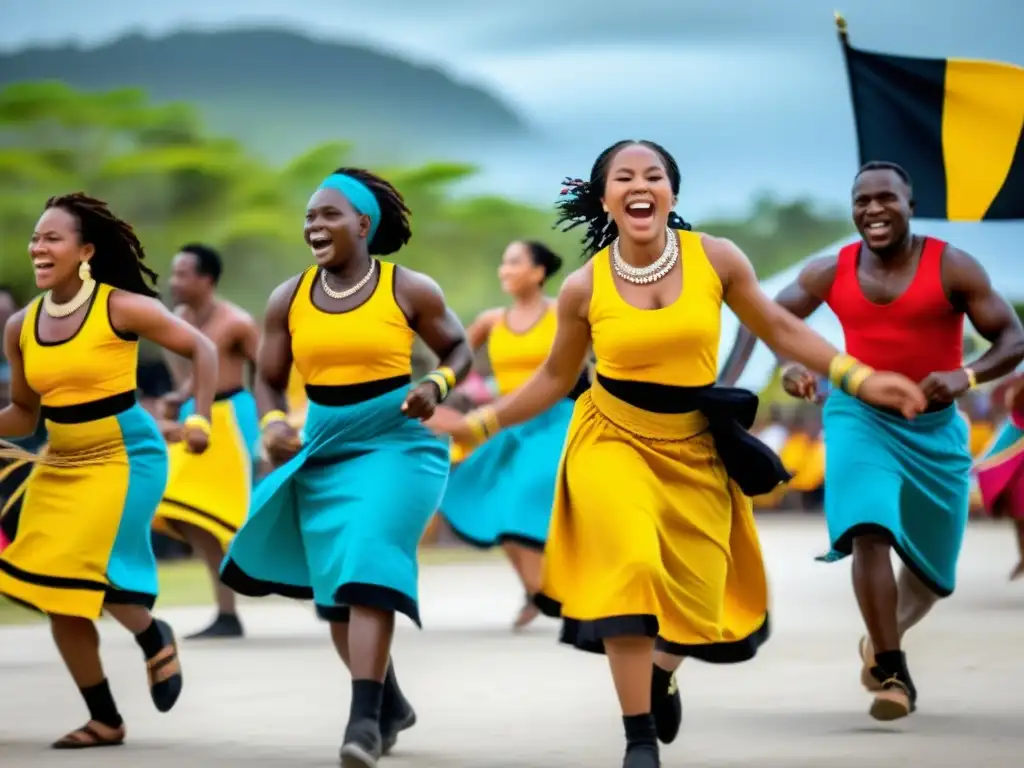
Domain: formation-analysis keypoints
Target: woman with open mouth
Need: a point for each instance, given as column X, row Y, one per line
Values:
column 652, row 554
column 501, row 494
column 83, row 544
column 340, row 519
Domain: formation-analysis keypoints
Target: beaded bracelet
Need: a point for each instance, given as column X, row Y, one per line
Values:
column 272, row 417
column 195, row 421
column 972, row 378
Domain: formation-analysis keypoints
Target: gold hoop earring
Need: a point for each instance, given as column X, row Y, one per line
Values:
column 85, row 271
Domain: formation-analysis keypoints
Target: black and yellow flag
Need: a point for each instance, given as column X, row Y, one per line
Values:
column 955, row 125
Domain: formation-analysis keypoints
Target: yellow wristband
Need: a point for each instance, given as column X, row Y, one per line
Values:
column 856, row 377
column 272, row 417
column 839, row 366
column 449, row 376
column 972, row 379
column 439, row 381
column 195, row 421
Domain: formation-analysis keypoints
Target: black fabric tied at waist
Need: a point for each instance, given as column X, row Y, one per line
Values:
column 730, row 412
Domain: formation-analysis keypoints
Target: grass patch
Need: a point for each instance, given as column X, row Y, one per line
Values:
column 186, row 583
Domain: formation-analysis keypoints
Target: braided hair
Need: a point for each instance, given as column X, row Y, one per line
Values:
column 119, row 254
column 581, row 200
column 394, row 230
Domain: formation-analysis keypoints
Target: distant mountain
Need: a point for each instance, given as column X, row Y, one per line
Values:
column 281, row 92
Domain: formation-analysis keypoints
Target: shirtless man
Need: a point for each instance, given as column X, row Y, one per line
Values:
column 207, row 497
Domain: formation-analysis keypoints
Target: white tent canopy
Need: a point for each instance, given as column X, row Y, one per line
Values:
column 998, row 245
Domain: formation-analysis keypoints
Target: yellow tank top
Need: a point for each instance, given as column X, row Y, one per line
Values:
column 516, row 356
column 93, row 364
column 368, row 343
column 676, row 345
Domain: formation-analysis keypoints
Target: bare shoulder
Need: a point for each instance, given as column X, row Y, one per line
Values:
column 281, row 297
column 818, row 274
column 13, row 326
column 726, row 258
column 489, row 317
column 961, row 271
column 576, row 291
column 235, row 315
column 129, row 301
column 411, row 283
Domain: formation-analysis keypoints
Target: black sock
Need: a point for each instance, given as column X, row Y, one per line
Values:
column 392, row 699
column 640, row 730
column 367, row 696
column 894, row 664
column 100, row 702
column 151, row 640
column 661, row 680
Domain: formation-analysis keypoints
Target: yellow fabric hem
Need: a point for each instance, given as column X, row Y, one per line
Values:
column 64, row 601
column 204, row 521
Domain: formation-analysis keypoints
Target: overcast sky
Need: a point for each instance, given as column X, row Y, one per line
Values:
column 748, row 94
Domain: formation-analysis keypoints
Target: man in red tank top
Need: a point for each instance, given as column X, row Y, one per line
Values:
column 891, row 483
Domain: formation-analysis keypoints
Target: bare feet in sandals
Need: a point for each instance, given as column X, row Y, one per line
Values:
column 867, row 657
column 164, row 671
column 92, row 734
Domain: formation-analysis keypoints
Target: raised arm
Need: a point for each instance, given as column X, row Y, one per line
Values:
column 801, row 298
column 555, row 379
column 970, row 291
column 149, row 319
column 792, row 339
column 20, row 417
column 423, row 303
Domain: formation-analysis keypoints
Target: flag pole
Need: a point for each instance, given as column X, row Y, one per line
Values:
column 841, row 29
column 844, row 40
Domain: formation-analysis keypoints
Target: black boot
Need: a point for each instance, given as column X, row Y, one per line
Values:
column 362, row 745
column 666, row 704
column 641, row 742
column 224, row 626
column 396, row 713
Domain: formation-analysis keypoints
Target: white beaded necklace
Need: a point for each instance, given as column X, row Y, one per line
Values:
column 652, row 273
column 348, row 291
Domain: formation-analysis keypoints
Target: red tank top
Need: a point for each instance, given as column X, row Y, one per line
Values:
column 917, row 334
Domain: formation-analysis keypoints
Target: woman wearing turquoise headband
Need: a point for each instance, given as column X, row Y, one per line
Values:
column 340, row 519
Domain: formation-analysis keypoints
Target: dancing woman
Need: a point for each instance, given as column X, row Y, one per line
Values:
column 340, row 519
column 83, row 545
column 652, row 553
column 501, row 494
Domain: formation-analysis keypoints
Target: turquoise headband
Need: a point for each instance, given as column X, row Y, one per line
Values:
column 359, row 195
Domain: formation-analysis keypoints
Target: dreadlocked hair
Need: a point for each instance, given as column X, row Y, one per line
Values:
column 394, row 230
column 119, row 254
column 581, row 200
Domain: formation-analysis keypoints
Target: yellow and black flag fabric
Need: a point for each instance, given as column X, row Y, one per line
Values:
column 955, row 125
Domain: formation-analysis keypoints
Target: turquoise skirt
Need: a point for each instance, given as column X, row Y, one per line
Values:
column 909, row 480
column 504, row 489
column 341, row 522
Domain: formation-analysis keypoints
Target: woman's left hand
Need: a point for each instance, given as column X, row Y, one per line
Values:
column 421, row 401
column 196, row 440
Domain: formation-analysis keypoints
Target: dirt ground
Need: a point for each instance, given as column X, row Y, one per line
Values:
column 490, row 699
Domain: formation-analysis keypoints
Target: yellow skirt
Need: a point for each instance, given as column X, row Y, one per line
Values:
column 212, row 490
column 84, row 534
column 650, row 537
